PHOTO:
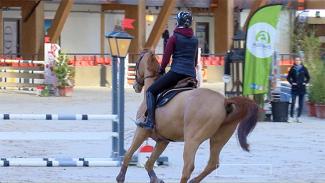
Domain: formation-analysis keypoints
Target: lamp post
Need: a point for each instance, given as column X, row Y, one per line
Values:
column 233, row 59
column 113, row 51
column 119, row 43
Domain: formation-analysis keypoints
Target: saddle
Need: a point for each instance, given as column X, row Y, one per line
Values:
column 183, row 85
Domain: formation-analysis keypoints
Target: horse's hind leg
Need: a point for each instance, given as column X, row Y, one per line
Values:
column 159, row 148
column 217, row 141
column 139, row 137
column 190, row 149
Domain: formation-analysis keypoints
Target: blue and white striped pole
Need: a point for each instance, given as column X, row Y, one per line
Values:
column 114, row 118
column 58, row 162
column 114, row 106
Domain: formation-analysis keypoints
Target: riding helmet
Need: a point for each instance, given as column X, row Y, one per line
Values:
column 184, row 19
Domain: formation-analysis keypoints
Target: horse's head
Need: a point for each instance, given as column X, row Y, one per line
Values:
column 147, row 67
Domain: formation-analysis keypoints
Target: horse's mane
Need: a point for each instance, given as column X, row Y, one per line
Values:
column 152, row 61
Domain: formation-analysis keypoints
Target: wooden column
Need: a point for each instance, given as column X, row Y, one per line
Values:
column 131, row 12
column 223, row 25
column 1, row 32
column 160, row 24
column 141, row 23
column 59, row 20
column 138, row 13
column 314, row 4
column 102, row 32
column 32, row 30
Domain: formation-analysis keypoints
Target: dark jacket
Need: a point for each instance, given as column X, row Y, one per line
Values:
column 183, row 46
column 298, row 78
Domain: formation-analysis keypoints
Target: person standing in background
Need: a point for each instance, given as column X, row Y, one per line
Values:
column 298, row 77
column 165, row 36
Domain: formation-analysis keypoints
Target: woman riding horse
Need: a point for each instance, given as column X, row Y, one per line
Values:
column 192, row 116
column 183, row 46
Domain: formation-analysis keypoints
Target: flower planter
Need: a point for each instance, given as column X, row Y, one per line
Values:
column 311, row 109
column 66, row 91
column 320, row 110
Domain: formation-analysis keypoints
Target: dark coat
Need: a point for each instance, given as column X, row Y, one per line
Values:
column 183, row 46
column 298, row 80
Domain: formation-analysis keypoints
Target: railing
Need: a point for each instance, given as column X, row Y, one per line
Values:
column 88, row 59
column 94, row 59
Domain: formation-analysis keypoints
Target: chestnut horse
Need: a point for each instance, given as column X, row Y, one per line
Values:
column 192, row 116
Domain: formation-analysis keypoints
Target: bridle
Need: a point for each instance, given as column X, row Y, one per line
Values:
column 137, row 79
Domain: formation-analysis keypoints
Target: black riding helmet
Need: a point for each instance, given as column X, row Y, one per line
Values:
column 184, row 19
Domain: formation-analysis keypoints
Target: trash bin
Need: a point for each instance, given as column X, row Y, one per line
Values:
column 280, row 111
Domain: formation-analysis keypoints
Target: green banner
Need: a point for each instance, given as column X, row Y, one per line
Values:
column 260, row 40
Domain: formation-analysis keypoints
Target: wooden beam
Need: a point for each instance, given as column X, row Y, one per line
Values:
column 196, row 10
column 13, row 3
column 1, row 33
column 102, row 33
column 223, row 26
column 257, row 4
column 141, row 23
column 116, row 6
column 314, row 4
column 59, row 20
column 33, row 30
column 160, row 24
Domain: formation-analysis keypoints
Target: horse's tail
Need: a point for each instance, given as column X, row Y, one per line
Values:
column 244, row 111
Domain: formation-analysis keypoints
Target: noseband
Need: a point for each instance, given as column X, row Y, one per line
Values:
column 137, row 79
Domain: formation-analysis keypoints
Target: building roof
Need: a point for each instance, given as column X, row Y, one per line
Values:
column 183, row 3
column 242, row 4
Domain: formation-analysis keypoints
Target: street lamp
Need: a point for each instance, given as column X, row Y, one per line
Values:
column 119, row 43
column 113, row 49
column 232, row 69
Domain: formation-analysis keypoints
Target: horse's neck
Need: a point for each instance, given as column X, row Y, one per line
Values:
column 147, row 83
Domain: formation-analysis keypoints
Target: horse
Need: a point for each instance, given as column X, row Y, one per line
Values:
column 191, row 116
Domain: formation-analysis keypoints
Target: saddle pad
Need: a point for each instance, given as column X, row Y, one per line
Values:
column 164, row 97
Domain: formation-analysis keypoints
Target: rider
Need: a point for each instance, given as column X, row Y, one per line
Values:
column 183, row 45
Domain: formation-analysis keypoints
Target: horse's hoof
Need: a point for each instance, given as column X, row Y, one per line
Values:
column 157, row 181
column 192, row 181
column 119, row 180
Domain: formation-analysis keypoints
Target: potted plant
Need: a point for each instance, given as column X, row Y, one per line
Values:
column 316, row 67
column 65, row 75
column 318, row 92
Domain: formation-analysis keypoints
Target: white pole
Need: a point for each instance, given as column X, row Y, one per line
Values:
column 126, row 66
column 57, row 135
column 57, row 162
column 199, row 75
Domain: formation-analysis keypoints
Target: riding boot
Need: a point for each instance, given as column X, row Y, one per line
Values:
column 151, row 107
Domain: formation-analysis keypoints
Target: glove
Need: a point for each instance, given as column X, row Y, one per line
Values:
column 162, row 71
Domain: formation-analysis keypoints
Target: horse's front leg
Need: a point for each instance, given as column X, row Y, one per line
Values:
column 139, row 137
column 159, row 148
